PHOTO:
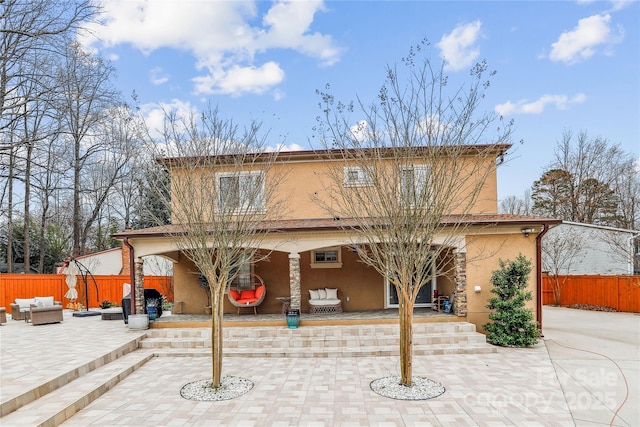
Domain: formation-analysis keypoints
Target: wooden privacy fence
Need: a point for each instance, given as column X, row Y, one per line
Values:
column 619, row 292
column 109, row 288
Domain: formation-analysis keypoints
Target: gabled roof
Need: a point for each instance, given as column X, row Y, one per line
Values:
column 328, row 224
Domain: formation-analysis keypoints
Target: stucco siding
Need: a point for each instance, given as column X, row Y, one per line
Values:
column 483, row 258
column 601, row 250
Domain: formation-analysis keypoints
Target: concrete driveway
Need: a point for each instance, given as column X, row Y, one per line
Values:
column 596, row 356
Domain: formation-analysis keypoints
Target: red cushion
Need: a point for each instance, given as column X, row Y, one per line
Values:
column 248, row 294
column 259, row 291
column 234, row 294
column 247, row 301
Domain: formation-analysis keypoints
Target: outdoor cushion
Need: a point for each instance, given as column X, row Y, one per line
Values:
column 248, row 294
column 314, row 294
column 25, row 303
column 246, row 301
column 234, row 294
column 259, row 291
column 47, row 301
column 324, row 301
column 323, row 293
column 332, row 293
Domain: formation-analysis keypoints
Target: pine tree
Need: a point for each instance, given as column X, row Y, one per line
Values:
column 513, row 324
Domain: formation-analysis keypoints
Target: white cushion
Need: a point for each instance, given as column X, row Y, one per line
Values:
column 314, row 294
column 25, row 303
column 323, row 293
column 47, row 301
column 332, row 293
column 324, row 301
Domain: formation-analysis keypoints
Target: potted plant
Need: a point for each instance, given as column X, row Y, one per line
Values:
column 152, row 304
column 204, row 284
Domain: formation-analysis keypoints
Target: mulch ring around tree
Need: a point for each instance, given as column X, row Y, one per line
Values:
column 230, row 388
column 421, row 389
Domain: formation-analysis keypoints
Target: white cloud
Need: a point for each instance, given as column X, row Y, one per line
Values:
column 158, row 76
column 237, row 80
column 222, row 36
column 361, row 131
column 620, row 4
column 562, row 102
column 284, row 148
column 584, row 40
column 154, row 115
column 288, row 24
column 458, row 47
column 615, row 4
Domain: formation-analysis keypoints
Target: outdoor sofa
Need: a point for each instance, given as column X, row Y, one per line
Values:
column 41, row 310
column 324, row 301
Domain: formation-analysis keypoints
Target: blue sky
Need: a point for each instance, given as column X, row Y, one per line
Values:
column 561, row 65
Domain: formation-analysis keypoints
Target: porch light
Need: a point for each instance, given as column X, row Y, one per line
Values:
column 527, row 231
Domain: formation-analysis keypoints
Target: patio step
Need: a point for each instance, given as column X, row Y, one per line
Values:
column 320, row 341
column 56, row 406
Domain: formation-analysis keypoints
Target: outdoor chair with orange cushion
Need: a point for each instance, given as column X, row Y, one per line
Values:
column 249, row 297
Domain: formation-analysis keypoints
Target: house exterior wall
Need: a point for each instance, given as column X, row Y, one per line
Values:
column 106, row 263
column 473, row 257
column 597, row 256
column 110, row 263
column 302, row 181
column 483, row 255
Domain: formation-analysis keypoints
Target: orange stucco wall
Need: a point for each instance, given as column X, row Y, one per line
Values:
column 483, row 255
column 298, row 183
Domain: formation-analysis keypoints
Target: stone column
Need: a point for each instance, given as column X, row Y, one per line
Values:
column 139, row 286
column 460, row 287
column 294, row 279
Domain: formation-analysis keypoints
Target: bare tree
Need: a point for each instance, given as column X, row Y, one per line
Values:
column 86, row 98
column 29, row 29
column 580, row 184
column 48, row 181
column 414, row 167
column 29, row 32
column 560, row 250
column 222, row 188
column 116, row 145
column 627, row 188
column 517, row 206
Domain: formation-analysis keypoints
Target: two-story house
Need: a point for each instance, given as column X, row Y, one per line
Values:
column 316, row 249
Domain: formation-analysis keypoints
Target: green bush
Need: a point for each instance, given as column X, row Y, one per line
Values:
column 513, row 325
column 105, row 304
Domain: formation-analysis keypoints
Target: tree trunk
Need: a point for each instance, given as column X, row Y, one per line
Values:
column 217, row 314
column 42, row 229
column 27, row 208
column 406, row 341
column 10, row 178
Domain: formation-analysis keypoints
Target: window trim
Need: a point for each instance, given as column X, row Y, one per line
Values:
column 239, row 175
column 423, row 168
column 364, row 179
column 325, row 264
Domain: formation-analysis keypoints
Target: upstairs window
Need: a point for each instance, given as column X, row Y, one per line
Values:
column 414, row 186
column 356, row 177
column 241, row 192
